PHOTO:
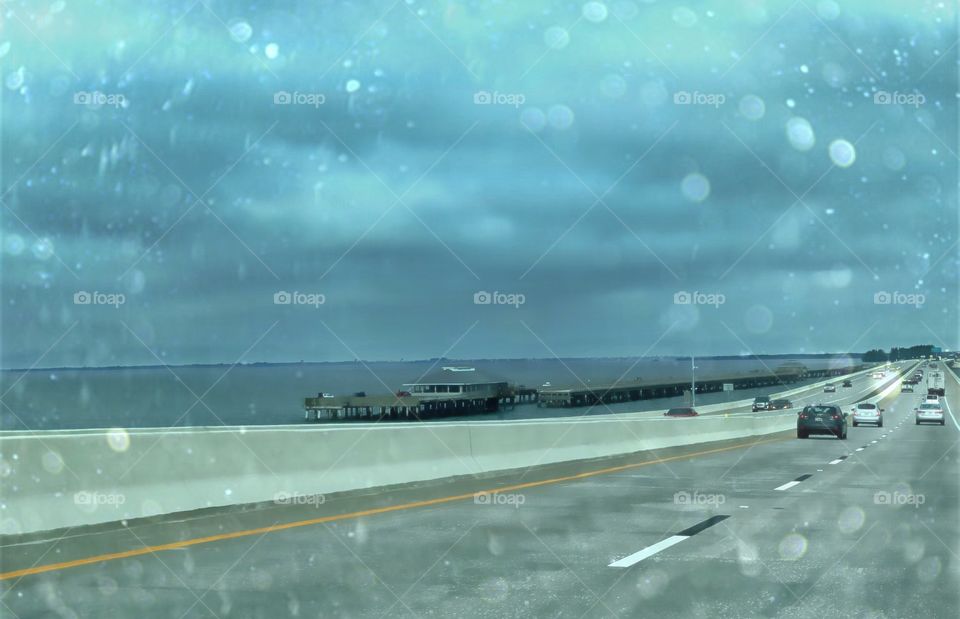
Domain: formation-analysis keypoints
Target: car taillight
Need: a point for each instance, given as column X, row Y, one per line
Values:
column 802, row 416
column 836, row 416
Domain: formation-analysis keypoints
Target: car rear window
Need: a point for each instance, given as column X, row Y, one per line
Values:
column 930, row 407
column 679, row 411
column 820, row 410
column 866, row 406
column 762, row 398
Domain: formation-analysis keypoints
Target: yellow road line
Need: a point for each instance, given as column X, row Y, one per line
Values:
column 41, row 569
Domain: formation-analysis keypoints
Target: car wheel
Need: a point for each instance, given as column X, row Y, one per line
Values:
column 918, row 422
column 843, row 436
column 943, row 421
column 801, row 434
column 854, row 424
column 880, row 425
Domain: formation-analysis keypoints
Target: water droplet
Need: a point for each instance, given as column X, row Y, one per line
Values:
column 800, row 133
column 240, row 31
column 752, row 107
column 595, row 12
column 793, row 546
column 828, row 9
column 533, row 118
column 556, row 37
column 118, row 439
column 684, row 17
column 695, row 187
column 560, row 117
column 15, row 79
column 271, row 51
column 42, row 249
column 353, row 85
column 842, row 153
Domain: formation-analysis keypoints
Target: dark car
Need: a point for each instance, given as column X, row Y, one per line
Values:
column 776, row 405
column 848, row 383
column 681, row 412
column 761, row 403
column 822, row 419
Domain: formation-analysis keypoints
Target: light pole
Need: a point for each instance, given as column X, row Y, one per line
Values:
column 693, row 382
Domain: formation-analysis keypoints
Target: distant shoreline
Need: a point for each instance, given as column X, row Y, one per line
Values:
column 433, row 360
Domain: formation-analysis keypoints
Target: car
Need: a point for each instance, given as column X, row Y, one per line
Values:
column 848, row 383
column 929, row 413
column 865, row 412
column 877, row 375
column 761, row 403
column 685, row 411
column 781, row 404
column 831, row 388
column 931, row 398
column 906, row 388
column 822, row 419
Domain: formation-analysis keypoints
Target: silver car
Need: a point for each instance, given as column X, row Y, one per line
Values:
column 930, row 413
column 865, row 412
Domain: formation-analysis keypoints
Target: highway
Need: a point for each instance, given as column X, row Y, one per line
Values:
column 768, row 527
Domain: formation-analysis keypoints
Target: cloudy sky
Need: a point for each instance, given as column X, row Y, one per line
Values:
column 629, row 177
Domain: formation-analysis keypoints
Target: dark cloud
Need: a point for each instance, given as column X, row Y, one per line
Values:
column 495, row 197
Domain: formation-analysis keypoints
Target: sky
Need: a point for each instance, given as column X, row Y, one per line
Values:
column 216, row 181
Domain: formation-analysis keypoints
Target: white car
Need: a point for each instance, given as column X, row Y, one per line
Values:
column 865, row 412
column 829, row 388
column 931, row 399
column 930, row 413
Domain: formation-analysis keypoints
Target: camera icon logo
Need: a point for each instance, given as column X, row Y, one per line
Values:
column 481, row 498
column 482, row 97
column 482, row 298
column 82, row 297
column 882, row 298
column 682, row 98
column 682, row 298
column 82, row 98
column 282, row 97
column 282, row 298
column 882, row 97
column 882, row 497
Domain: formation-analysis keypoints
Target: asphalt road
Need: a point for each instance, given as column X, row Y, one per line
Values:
column 870, row 529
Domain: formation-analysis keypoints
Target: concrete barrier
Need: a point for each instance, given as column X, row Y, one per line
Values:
column 55, row 481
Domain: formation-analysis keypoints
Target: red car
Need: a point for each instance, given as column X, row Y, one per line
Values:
column 681, row 412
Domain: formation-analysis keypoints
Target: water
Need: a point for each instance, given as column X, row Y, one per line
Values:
column 273, row 394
